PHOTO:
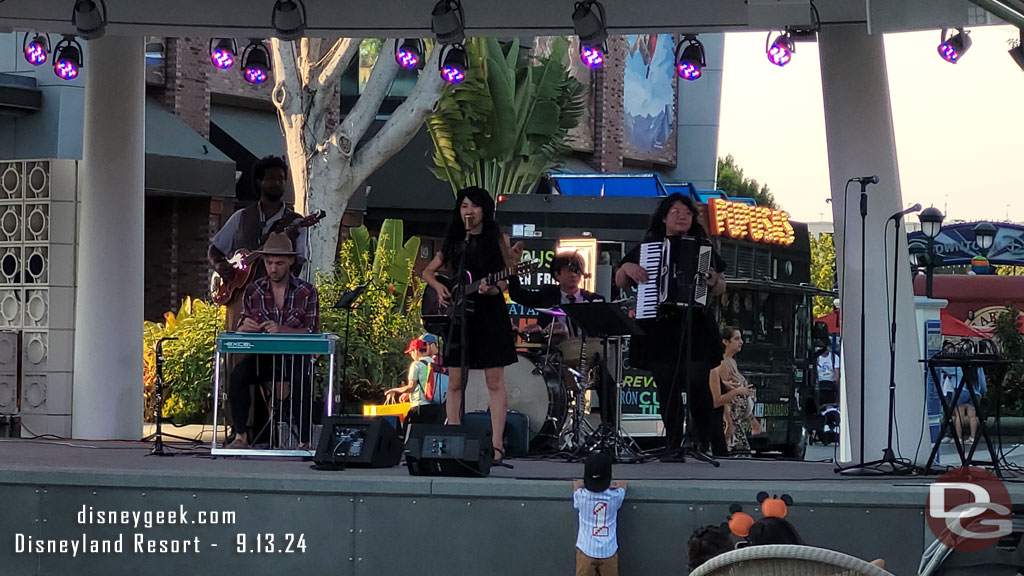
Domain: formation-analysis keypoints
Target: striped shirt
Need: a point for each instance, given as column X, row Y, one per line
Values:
column 598, row 511
column 301, row 307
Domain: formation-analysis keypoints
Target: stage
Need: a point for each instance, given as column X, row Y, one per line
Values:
column 383, row 521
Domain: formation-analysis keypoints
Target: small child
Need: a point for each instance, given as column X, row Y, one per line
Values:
column 597, row 500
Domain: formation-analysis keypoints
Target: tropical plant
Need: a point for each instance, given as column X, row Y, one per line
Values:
column 1006, row 332
column 508, row 122
column 731, row 180
column 188, row 361
column 823, row 270
column 384, row 318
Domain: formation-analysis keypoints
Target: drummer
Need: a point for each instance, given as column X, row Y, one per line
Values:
column 568, row 270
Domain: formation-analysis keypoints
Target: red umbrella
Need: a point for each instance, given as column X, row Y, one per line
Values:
column 953, row 326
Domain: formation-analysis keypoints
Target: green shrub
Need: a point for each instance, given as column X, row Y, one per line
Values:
column 188, row 361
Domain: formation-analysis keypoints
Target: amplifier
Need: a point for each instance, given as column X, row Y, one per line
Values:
column 433, row 450
column 358, row 442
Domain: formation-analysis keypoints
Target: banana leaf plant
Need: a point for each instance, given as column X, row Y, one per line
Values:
column 508, row 122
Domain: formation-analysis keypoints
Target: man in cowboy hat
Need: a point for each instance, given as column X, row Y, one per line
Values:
column 278, row 303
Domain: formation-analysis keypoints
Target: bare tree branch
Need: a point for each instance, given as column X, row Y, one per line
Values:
column 341, row 55
column 324, row 80
column 351, row 130
column 407, row 119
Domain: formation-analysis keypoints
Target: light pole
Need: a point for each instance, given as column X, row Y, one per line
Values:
column 931, row 225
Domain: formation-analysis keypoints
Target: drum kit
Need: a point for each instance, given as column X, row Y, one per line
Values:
column 550, row 384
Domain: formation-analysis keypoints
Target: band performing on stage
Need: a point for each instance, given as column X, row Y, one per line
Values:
column 551, row 367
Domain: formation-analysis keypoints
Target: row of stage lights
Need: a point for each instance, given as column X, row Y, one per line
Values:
column 448, row 24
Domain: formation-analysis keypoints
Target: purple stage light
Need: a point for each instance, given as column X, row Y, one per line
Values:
column 407, row 58
column 688, row 71
column 781, row 51
column 223, row 55
column 453, row 74
column 255, row 75
column 952, row 49
column 67, row 59
column 66, row 69
column 592, row 56
column 36, row 51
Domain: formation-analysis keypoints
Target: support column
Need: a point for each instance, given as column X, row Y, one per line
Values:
column 109, row 303
column 859, row 130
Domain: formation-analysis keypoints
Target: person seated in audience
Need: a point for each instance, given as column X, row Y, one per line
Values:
column 707, row 542
column 771, row 530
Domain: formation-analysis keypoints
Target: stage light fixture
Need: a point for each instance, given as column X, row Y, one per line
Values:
column 953, row 48
column 454, row 64
column 223, row 53
column 256, row 62
column 447, row 20
column 589, row 22
column 780, row 52
column 289, row 19
column 90, row 18
column 37, row 51
column 409, row 53
column 1017, row 52
column 690, row 60
column 67, row 58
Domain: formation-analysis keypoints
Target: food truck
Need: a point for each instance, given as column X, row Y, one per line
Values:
column 768, row 298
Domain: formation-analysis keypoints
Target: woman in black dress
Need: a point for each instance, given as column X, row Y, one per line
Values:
column 660, row 349
column 474, row 240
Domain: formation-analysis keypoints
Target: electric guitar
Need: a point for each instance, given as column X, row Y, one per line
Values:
column 431, row 304
column 223, row 291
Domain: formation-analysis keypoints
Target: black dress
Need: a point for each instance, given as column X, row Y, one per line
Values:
column 490, row 342
column 661, row 351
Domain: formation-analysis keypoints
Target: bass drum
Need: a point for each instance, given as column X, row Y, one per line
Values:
column 533, row 388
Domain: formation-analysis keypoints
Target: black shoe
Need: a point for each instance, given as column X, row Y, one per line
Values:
column 672, row 456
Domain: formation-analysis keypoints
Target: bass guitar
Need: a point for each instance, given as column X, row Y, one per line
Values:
column 223, row 291
column 431, row 304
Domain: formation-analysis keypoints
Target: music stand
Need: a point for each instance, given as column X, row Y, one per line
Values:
column 606, row 320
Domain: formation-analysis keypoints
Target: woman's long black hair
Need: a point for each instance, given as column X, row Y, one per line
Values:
column 455, row 236
column 656, row 231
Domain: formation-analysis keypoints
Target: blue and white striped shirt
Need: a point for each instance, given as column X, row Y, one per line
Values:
column 597, row 537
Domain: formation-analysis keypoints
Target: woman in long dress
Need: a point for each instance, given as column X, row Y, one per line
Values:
column 732, row 393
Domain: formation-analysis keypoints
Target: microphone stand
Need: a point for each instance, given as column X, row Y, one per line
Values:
column 158, row 436
column 888, row 456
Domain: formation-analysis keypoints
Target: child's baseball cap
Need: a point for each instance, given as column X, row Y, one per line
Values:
column 597, row 472
column 429, row 339
column 414, row 345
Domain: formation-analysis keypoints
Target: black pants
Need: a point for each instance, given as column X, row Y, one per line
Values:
column 708, row 428
column 264, row 370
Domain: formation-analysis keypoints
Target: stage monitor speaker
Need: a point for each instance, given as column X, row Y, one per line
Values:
column 359, row 442
column 434, row 450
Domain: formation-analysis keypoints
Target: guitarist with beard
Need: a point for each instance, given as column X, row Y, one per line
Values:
column 474, row 240
column 249, row 228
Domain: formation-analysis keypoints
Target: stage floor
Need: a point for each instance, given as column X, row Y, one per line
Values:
column 523, row 514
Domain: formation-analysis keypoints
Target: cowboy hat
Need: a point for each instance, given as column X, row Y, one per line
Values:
column 277, row 244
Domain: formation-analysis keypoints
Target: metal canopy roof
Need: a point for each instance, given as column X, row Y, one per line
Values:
column 390, row 18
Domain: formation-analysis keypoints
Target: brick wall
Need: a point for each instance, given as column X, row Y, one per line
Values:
column 608, row 111
column 186, row 91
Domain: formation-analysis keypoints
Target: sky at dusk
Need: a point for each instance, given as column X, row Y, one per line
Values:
column 958, row 127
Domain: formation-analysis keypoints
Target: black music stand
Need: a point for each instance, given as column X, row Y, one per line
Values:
column 969, row 366
column 346, row 302
column 605, row 320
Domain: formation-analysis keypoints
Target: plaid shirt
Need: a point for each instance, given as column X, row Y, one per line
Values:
column 301, row 306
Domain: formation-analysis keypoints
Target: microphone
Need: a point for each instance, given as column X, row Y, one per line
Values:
column 901, row 214
column 465, row 222
column 866, row 179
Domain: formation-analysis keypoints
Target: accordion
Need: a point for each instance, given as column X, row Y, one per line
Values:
column 677, row 270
